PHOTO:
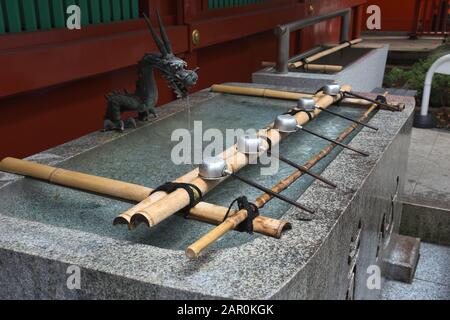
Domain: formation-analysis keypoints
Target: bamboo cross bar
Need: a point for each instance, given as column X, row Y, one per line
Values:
column 203, row 212
column 213, row 214
column 332, row 50
column 309, row 67
column 179, row 199
column 194, row 250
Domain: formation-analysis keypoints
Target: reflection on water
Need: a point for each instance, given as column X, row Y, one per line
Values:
column 143, row 157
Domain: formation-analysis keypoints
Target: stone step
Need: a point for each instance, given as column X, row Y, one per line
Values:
column 401, row 258
column 429, row 223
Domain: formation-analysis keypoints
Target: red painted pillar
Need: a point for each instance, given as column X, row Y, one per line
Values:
column 417, row 10
column 358, row 14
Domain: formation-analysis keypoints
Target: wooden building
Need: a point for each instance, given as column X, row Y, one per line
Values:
column 412, row 17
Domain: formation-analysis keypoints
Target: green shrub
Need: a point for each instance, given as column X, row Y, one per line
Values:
column 395, row 78
column 415, row 78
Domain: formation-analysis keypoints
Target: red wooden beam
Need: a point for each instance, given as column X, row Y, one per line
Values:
column 214, row 31
column 35, row 67
column 218, row 26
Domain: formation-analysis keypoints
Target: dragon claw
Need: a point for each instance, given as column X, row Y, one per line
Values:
column 144, row 116
column 109, row 125
column 131, row 123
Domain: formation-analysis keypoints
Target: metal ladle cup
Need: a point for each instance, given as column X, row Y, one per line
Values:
column 286, row 123
column 250, row 144
column 310, row 105
column 332, row 89
column 217, row 168
column 253, row 144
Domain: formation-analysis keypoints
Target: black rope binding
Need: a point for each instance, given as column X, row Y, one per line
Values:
column 381, row 99
column 252, row 214
column 297, row 110
column 194, row 192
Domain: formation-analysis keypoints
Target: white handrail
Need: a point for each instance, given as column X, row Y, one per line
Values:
column 442, row 65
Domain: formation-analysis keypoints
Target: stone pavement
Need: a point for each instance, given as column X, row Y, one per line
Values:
column 426, row 198
column 432, row 279
column 426, row 214
column 428, row 176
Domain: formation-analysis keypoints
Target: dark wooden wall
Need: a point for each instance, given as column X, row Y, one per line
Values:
column 52, row 83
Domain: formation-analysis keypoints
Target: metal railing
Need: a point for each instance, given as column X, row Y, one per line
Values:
column 432, row 18
column 283, row 33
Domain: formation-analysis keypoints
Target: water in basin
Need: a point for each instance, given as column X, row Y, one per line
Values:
column 143, row 157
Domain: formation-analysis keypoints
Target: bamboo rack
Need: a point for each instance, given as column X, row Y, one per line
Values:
column 127, row 217
column 179, row 199
column 288, row 95
column 194, row 250
column 203, row 212
column 327, row 52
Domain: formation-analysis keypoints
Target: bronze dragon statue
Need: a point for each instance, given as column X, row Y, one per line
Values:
column 145, row 97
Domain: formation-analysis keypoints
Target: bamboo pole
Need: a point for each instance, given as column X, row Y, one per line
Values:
column 194, row 250
column 323, row 68
column 179, row 199
column 327, row 52
column 310, row 67
column 259, row 92
column 76, row 180
column 203, row 212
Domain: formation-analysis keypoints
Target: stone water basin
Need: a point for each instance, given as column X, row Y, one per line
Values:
column 42, row 222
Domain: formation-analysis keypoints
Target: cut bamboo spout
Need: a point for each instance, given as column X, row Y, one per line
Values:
column 126, row 217
column 179, row 199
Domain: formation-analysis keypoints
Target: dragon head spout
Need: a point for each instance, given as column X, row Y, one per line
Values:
column 172, row 68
